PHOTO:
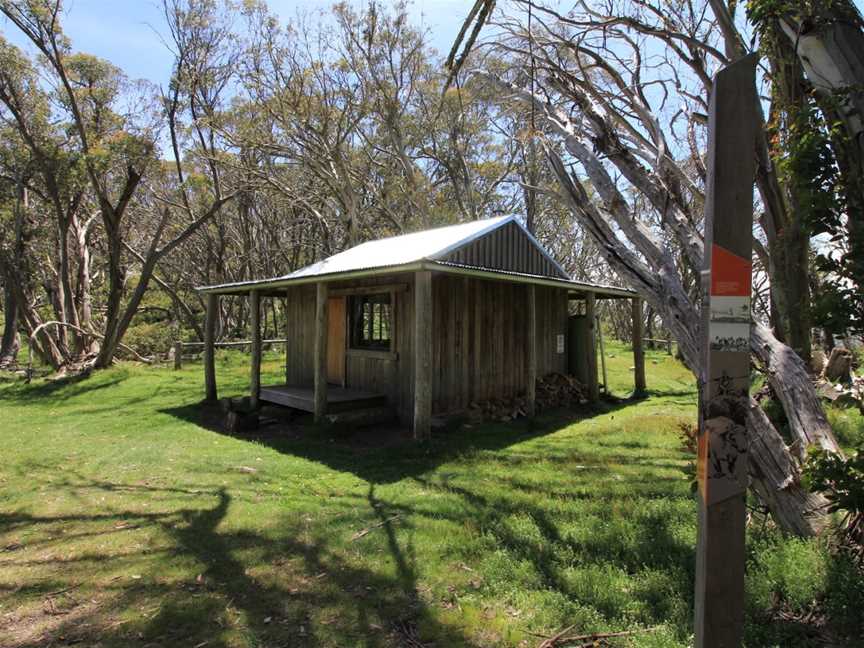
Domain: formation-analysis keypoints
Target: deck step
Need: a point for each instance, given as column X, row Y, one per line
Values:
column 362, row 416
column 339, row 399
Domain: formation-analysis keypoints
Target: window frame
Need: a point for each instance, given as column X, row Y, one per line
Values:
column 356, row 334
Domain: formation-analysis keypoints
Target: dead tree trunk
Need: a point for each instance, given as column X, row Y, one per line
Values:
column 774, row 476
column 642, row 260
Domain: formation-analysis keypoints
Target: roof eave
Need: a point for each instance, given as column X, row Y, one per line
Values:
column 243, row 287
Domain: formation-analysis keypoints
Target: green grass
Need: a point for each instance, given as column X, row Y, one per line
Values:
column 848, row 426
column 124, row 522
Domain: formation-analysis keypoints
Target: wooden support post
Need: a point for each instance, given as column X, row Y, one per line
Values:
column 638, row 350
column 531, row 378
column 599, row 329
column 591, row 316
column 178, row 355
column 320, row 405
column 422, row 355
column 287, row 333
column 721, row 466
column 255, row 336
column 209, row 348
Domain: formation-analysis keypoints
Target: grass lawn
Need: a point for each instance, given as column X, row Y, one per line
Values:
column 123, row 522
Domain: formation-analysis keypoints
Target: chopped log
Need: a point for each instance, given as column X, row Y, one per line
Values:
column 552, row 391
column 240, row 422
column 839, row 365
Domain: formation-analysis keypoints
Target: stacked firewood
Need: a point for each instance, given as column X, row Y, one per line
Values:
column 553, row 390
column 500, row 410
column 560, row 390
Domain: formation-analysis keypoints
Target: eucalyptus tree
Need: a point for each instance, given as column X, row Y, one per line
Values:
column 185, row 194
column 114, row 130
column 308, row 123
column 55, row 186
column 621, row 88
column 816, row 54
column 113, row 151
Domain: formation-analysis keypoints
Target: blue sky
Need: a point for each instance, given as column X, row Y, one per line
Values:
column 124, row 31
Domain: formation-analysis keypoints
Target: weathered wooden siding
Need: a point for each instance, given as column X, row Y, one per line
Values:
column 481, row 337
column 479, row 350
column 391, row 375
column 300, row 333
column 506, row 248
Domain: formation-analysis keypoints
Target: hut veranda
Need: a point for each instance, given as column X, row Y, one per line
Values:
column 426, row 323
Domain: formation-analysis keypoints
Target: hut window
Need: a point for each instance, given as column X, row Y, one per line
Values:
column 371, row 321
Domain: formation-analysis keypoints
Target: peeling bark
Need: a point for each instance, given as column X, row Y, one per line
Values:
column 774, row 476
column 790, row 380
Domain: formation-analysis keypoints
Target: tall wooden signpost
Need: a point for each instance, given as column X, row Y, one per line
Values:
column 725, row 371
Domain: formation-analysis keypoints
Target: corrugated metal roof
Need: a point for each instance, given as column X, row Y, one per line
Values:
column 411, row 252
column 427, row 245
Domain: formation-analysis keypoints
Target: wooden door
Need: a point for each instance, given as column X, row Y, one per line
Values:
column 336, row 340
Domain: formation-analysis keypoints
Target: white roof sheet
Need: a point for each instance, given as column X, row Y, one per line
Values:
column 398, row 250
column 420, row 247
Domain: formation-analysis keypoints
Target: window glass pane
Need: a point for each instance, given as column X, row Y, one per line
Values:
column 371, row 324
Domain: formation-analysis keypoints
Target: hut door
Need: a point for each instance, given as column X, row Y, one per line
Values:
column 336, row 340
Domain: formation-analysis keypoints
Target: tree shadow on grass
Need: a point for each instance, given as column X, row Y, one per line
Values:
column 609, row 580
column 253, row 588
column 397, row 456
column 61, row 389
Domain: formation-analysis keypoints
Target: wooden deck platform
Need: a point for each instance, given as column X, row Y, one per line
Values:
column 339, row 399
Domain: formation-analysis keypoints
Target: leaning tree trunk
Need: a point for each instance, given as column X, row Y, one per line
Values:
column 774, row 477
column 591, row 134
column 788, row 376
column 774, row 474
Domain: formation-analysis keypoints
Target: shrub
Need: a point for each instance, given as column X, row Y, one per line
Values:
column 841, row 480
column 844, row 598
column 149, row 338
column 792, row 570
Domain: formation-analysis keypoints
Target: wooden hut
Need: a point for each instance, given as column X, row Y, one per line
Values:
column 426, row 323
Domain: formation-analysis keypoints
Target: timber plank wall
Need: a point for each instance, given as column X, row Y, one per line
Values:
column 479, row 349
column 392, row 376
column 480, row 345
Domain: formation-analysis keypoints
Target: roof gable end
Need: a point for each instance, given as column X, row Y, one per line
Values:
column 508, row 247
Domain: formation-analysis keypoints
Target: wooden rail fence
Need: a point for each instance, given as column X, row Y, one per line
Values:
column 179, row 346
